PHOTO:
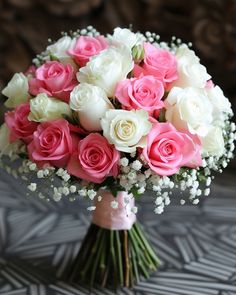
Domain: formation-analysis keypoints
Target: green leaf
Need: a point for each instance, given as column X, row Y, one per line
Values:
column 53, row 57
column 74, row 120
column 138, row 53
column 135, row 193
column 162, row 115
column 23, row 156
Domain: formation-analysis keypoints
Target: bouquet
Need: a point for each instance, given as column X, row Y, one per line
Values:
column 113, row 117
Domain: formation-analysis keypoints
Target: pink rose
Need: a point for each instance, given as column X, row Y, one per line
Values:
column 209, row 84
column 95, row 159
column 19, row 125
column 157, row 62
column 141, row 93
column 30, row 72
column 55, row 79
column 53, row 143
column 168, row 150
column 86, row 47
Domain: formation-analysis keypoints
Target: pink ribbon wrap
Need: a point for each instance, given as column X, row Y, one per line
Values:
column 121, row 218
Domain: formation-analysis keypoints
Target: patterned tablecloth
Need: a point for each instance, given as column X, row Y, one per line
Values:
column 197, row 244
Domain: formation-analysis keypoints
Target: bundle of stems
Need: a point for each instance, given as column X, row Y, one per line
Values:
column 113, row 258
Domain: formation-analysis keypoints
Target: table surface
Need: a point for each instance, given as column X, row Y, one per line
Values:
column 197, row 244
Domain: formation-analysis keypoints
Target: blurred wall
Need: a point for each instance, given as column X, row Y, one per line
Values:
column 25, row 26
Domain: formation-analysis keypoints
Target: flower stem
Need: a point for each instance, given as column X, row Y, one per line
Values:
column 147, row 245
column 120, row 262
column 113, row 258
column 127, row 265
column 91, row 257
column 99, row 252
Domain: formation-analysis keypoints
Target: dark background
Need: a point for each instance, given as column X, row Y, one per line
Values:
column 26, row 25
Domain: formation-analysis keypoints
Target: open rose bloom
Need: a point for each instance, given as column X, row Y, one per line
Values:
column 113, row 117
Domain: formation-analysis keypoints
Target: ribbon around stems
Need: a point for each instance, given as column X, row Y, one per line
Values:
column 120, row 218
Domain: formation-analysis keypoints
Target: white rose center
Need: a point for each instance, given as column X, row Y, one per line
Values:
column 125, row 130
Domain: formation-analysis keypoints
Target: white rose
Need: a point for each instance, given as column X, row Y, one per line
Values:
column 7, row 148
column 190, row 71
column 213, row 143
column 17, row 90
column 60, row 49
column 125, row 36
column 189, row 108
column 221, row 104
column 107, row 68
column 44, row 108
column 127, row 130
column 91, row 104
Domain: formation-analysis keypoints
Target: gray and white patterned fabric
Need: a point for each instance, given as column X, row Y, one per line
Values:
column 197, row 244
